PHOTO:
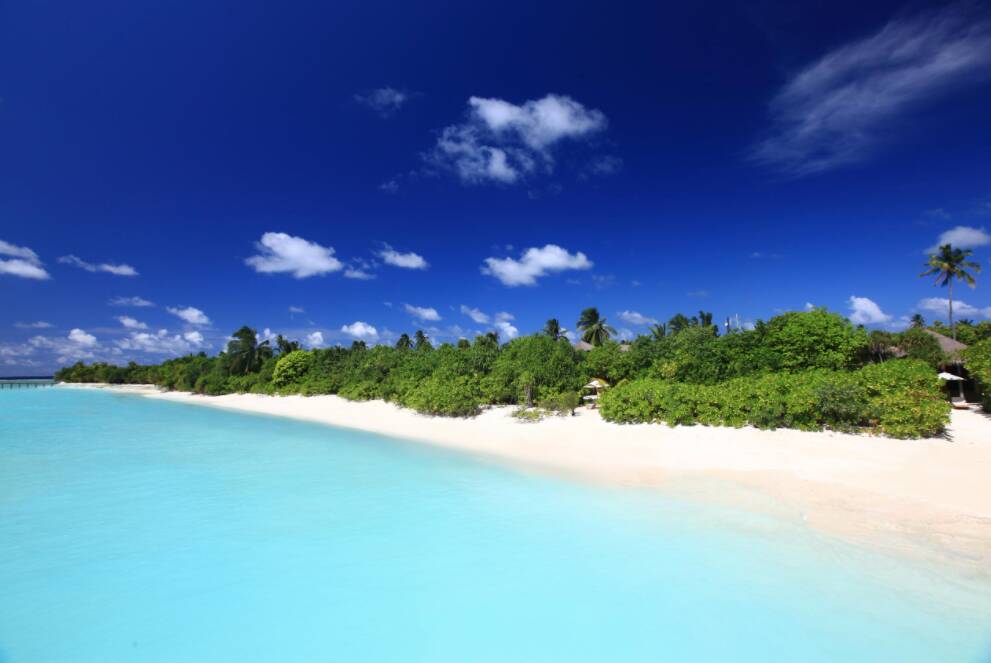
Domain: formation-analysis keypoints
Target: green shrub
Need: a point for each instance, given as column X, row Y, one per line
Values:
column 562, row 404
column 977, row 360
column 291, row 367
column 452, row 397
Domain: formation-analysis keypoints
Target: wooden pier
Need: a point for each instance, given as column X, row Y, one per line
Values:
column 25, row 383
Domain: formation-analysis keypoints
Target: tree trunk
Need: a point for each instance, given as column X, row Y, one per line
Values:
column 953, row 328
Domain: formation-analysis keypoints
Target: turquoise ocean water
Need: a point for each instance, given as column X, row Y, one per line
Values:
column 139, row 530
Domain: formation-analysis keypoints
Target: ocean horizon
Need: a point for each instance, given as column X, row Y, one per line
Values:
column 137, row 529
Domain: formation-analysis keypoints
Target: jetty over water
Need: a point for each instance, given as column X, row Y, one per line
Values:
column 25, row 383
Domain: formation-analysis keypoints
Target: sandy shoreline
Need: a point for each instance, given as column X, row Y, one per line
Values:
column 928, row 498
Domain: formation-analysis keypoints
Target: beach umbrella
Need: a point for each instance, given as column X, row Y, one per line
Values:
column 949, row 376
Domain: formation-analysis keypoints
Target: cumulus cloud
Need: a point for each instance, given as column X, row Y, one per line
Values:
column 422, row 312
column 78, row 345
column 503, row 323
column 192, row 315
column 504, row 143
column 962, row 237
column 405, row 260
column 162, row 342
column 40, row 324
column 386, row 101
column 833, row 112
column 109, row 268
column 130, row 301
column 280, row 253
column 864, row 311
column 634, row 318
column 961, row 309
column 476, row 315
column 22, row 262
column 130, row 323
column 360, row 330
column 82, row 338
column 314, row 340
column 533, row 264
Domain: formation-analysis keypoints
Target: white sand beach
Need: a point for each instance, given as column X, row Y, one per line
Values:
column 930, row 498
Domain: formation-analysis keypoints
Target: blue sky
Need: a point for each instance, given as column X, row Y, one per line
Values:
column 460, row 167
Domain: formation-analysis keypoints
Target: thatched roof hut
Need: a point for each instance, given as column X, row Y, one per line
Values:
column 947, row 344
column 583, row 346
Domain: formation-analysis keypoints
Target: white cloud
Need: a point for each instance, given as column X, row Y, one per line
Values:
column 41, row 324
column 192, row 315
column 314, row 340
column 80, row 337
column 503, row 142
column 279, row 252
column 130, row 301
column 834, row 111
column 533, row 264
column 405, row 260
column 864, row 311
column 961, row 309
column 962, row 237
column 131, row 323
column 503, row 324
column 389, row 186
column 476, row 315
column 23, row 262
column 634, row 318
column 809, row 306
column 385, row 101
column 422, row 312
column 162, row 342
column 296, row 309
column 358, row 274
column 109, row 268
column 359, row 329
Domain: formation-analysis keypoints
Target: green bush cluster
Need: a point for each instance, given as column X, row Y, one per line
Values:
column 977, row 360
column 898, row 398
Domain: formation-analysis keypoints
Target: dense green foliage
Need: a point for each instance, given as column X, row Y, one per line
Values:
column 977, row 360
column 896, row 398
column 803, row 370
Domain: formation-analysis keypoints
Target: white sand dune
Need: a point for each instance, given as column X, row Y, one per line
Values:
column 929, row 497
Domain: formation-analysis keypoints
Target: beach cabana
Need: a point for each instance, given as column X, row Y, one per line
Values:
column 596, row 386
column 958, row 401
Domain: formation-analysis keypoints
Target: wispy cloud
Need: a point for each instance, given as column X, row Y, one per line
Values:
column 475, row 314
column 405, row 260
column 635, row 318
column 386, row 101
column 40, row 324
column 504, row 143
column 191, row 315
column 941, row 306
column 22, row 262
column 110, row 268
column 832, row 112
column 422, row 312
column 130, row 301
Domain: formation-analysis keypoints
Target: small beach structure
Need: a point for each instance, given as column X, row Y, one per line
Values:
column 596, row 386
column 583, row 346
column 949, row 346
column 958, row 401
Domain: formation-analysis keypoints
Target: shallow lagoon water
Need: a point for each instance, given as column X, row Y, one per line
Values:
column 133, row 529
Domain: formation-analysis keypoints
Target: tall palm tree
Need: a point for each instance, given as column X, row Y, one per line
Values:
column 917, row 321
column 284, row 345
column 553, row 329
column 245, row 353
column 420, row 340
column 660, row 330
column 594, row 328
column 678, row 323
column 705, row 318
column 949, row 264
column 404, row 342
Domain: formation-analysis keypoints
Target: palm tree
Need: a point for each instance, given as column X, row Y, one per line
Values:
column 284, row 345
column 950, row 264
column 678, row 323
column 420, row 340
column 358, row 346
column 553, row 329
column 245, row 353
column 594, row 328
column 917, row 321
column 705, row 318
column 404, row 342
column 660, row 330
